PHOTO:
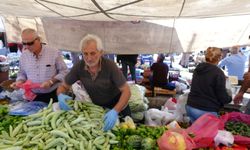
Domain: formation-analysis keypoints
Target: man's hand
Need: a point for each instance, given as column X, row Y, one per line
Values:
column 246, row 76
column 110, row 119
column 238, row 98
column 14, row 84
column 46, row 84
column 62, row 98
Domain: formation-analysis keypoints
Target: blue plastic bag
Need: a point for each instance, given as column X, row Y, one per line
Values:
column 24, row 108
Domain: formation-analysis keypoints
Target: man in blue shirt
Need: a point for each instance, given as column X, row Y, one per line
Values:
column 235, row 63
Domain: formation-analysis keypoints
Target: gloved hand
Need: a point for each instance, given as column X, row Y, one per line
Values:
column 62, row 98
column 110, row 119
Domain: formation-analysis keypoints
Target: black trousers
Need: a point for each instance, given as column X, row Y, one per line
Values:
column 45, row 97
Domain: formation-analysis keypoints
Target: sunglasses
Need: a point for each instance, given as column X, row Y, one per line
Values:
column 30, row 43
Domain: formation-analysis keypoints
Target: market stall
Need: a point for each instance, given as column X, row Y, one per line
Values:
column 46, row 127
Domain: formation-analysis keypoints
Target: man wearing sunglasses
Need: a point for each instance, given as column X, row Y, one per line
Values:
column 40, row 64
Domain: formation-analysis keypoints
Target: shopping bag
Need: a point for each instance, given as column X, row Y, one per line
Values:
column 28, row 86
column 205, row 129
column 175, row 139
column 224, row 137
column 234, row 147
column 237, row 116
column 80, row 92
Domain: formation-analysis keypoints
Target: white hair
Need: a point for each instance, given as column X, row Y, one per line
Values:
column 91, row 37
column 30, row 31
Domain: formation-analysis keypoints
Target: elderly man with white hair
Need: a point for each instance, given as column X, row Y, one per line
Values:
column 102, row 79
column 235, row 63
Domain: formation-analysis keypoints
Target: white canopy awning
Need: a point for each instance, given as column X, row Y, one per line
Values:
column 124, row 10
column 188, row 25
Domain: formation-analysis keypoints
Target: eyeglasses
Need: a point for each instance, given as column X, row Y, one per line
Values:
column 30, row 43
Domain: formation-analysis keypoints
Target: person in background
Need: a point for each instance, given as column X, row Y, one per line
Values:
column 3, row 50
column 128, row 61
column 239, row 97
column 208, row 89
column 159, row 77
column 75, row 57
column 171, row 60
column 245, row 85
column 235, row 63
column 13, row 47
column 40, row 64
column 102, row 80
column 200, row 58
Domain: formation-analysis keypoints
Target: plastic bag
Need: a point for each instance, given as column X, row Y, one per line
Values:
column 28, row 86
column 224, row 137
column 170, row 104
column 229, row 87
column 180, row 87
column 175, row 140
column 242, row 140
column 234, row 147
column 56, row 107
column 156, row 117
column 80, row 92
column 173, row 125
column 137, row 116
column 128, row 123
column 180, row 110
column 205, row 128
column 24, row 108
column 16, row 95
column 237, row 116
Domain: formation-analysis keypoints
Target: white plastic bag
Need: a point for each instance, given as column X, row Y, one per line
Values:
column 180, row 110
column 180, row 87
column 170, row 104
column 224, row 137
column 228, row 87
column 156, row 117
column 80, row 92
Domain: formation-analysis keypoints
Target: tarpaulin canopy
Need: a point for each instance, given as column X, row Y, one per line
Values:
column 189, row 25
column 124, row 10
column 118, row 37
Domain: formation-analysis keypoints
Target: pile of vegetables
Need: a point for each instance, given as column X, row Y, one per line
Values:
column 7, row 120
column 80, row 128
column 143, row 137
column 138, row 102
column 238, row 128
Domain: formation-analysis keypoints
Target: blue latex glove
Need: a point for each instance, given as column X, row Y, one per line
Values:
column 110, row 119
column 62, row 98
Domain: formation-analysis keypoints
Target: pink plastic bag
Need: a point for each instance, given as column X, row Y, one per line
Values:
column 205, row 129
column 175, row 139
column 28, row 86
column 237, row 116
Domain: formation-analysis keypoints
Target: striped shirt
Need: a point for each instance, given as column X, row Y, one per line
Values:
column 49, row 64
